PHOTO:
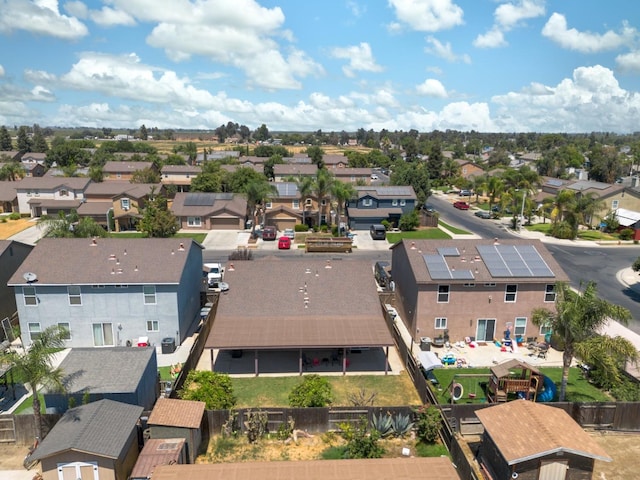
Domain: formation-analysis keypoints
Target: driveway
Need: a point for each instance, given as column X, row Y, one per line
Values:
column 363, row 241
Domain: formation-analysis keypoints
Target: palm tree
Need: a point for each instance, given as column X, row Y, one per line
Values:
column 35, row 366
column 342, row 192
column 11, row 171
column 258, row 192
column 305, row 189
column 322, row 189
column 586, row 206
column 578, row 318
column 495, row 187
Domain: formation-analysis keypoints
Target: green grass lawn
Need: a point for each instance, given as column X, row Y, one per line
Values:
column 390, row 390
column 592, row 235
column 453, row 229
column 426, row 233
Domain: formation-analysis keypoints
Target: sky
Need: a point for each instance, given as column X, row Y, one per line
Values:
column 303, row 65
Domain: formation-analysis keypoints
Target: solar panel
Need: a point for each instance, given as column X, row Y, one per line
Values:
column 514, row 261
column 199, row 200
column 535, row 262
column 437, row 266
column 448, row 251
column 393, row 191
column 555, row 183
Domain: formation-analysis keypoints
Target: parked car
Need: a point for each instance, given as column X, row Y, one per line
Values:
column 378, row 232
column 284, row 243
column 461, row 205
column 374, row 176
column 215, row 272
column 289, row 233
column 465, row 193
column 483, row 214
column 269, row 233
column 429, row 208
column 218, row 286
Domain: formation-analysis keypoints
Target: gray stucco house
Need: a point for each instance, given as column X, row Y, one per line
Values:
column 372, row 205
column 109, row 292
column 123, row 374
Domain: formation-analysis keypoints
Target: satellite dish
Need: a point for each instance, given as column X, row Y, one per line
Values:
column 30, row 277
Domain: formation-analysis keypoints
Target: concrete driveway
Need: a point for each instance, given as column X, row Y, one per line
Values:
column 363, row 241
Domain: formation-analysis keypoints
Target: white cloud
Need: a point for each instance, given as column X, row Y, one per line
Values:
column 360, row 59
column 1, row 71
column 461, row 116
column 356, row 9
column 492, row 39
column 427, row 15
column 40, row 17
column 432, row 88
column 444, row 50
column 108, row 17
column 629, row 62
column 586, row 42
column 508, row 16
column 77, row 9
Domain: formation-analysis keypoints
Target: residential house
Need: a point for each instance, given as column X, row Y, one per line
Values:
column 473, row 288
column 173, row 418
column 180, row 176
column 529, row 440
column 10, row 155
column 252, row 160
column 97, row 441
column 433, row 468
column 468, row 169
column 284, row 172
column 210, row 211
column 332, row 162
column 8, row 197
column 374, row 204
column 34, row 164
column 123, row 202
column 333, row 320
column 12, row 254
column 216, row 155
column 629, row 219
column 110, row 291
column 355, row 176
column 285, row 208
column 122, row 170
column 233, row 167
column 123, row 374
column 38, row 196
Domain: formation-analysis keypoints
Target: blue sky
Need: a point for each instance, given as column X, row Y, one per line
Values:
column 304, row 65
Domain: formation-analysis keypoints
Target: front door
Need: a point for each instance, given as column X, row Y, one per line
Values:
column 556, row 470
column 486, row 329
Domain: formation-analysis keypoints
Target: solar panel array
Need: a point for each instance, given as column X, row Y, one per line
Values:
column 439, row 270
column 448, row 251
column 401, row 191
column 514, row 261
column 205, row 199
column 286, row 189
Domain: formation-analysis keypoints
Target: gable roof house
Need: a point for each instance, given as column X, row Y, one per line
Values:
column 123, row 374
column 468, row 169
column 375, row 204
column 282, row 172
column 180, row 176
column 210, row 211
column 94, row 441
column 353, row 175
column 33, row 164
column 110, row 291
column 12, row 254
column 8, row 197
column 551, row 445
column 122, row 170
column 284, row 209
column 38, row 196
column 473, row 288
column 335, row 161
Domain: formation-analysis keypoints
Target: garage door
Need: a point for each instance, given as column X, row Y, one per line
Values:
column 282, row 223
column 225, row 223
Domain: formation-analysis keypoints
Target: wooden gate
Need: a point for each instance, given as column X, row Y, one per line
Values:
column 7, row 429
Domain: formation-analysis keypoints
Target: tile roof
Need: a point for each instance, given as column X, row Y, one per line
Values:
column 343, row 308
column 100, row 428
column 172, row 412
column 107, row 261
column 435, row 468
column 545, row 431
column 105, row 370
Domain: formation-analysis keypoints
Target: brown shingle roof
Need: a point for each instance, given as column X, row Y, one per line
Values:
column 8, row 191
column 343, row 308
column 128, row 167
column 51, row 183
column 171, row 412
column 294, row 169
column 438, row 468
column 205, row 204
column 548, row 430
column 134, row 190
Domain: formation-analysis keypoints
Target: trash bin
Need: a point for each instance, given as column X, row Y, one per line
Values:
column 168, row 345
column 425, row 344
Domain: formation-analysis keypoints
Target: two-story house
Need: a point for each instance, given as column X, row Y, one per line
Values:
column 12, row 254
column 210, row 211
column 38, row 196
column 109, row 291
column 180, row 176
column 375, row 204
column 355, row 176
column 468, row 169
column 284, row 172
column 473, row 288
column 123, row 171
column 33, row 164
column 285, row 209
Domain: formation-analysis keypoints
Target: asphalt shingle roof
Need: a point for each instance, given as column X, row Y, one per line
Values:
column 177, row 413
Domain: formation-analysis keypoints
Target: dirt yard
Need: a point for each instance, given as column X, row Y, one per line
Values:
column 11, row 457
column 11, row 227
column 625, row 451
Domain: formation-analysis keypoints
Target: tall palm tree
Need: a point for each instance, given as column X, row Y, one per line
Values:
column 578, row 318
column 563, row 204
column 342, row 192
column 305, row 189
column 35, row 367
column 322, row 188
column 258, row 192
column 495, row 187
column 586, row 207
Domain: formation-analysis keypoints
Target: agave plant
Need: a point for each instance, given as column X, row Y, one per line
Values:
column 383, row 424
column 401, row 425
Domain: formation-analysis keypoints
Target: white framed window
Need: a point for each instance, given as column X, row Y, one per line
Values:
column 443, row 293
column 545, row 329
column 550, row 292
column 468, row 285
column 295, row 204
column 29, row 295
column 489, row 285
column 149, row 292
column 194, row 221
column 65, row 327
column 520, row 326
column 75, row 296
column 34, row 330
column 153, row 326
column 97, row 286
column 367, row 202
column 615, row 204
column 268, row 204
column 394, row 202
column 37, row 193
column 121, row 286
column 64, row 193
column 441, row 323
column 125, row 204
column 103, row 335
column 510, row 293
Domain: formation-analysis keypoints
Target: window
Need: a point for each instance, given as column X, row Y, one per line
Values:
column 324, row 202
column 615, row 204
column 29, row 294
column 489, row 285
column 194, row 221
column 403, row 203
column 64, row 193
column 510, row 293
column 103, row 335
column 153, row 326
column 550, row 293
column 97, row 286
column 34, row 330
column 149, row 292
column 75, row 297
column 367, row 202
column 441, row 323
column 443, row 293
column 545, row 329
column 295, row 204
column 394, row 202
column 64, row 326
column 268, row 204
column 121, row 286
column 520, row 326
column 124, row 203
column 468, row 285
column 308, row 202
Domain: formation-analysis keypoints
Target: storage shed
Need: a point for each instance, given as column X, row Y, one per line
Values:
column 159, row 451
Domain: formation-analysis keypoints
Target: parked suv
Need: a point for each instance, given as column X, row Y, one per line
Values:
column 269, row 233
column 378, row 232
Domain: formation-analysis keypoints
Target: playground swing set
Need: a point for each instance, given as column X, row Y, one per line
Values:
column 473, row 383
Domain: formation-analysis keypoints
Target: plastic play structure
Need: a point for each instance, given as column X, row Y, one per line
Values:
column 549, row 390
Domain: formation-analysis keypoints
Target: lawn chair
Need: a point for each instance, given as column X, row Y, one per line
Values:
column 542, row 350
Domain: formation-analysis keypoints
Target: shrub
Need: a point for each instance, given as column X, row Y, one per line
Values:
column 563, row 230
column 314, row 391
column 256, row 425
column 427, row 423
column 386, row 224
column 15, row 216
column 409, row 221
column 626, row 391
column 360, row 442
column 626, row 234
column 285, row 430
column 215, row 389
column 636, row 265
column 301, row 227
column 383, row 424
